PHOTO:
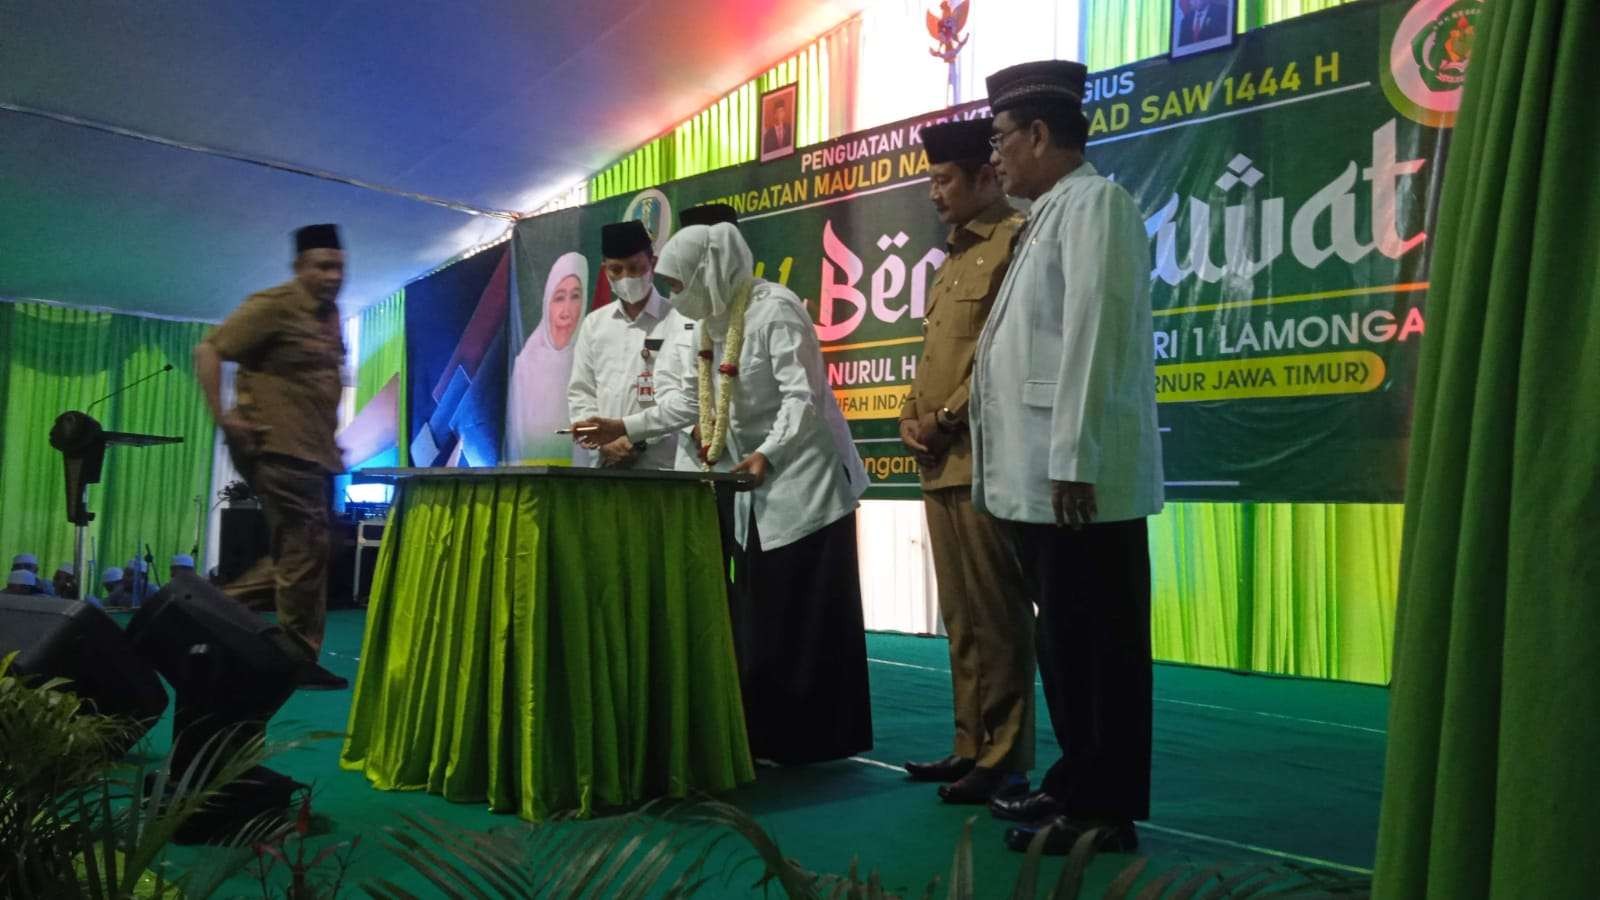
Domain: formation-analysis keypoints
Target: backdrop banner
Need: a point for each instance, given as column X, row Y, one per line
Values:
column 1289, row 185
column 456, row 363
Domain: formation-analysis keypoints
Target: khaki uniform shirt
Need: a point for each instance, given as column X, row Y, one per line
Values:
column 289, row 350
column 963, row 293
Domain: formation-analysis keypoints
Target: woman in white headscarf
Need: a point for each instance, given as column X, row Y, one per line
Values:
column 797, row 618
column 536, row 404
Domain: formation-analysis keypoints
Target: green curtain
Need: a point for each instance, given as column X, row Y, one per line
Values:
column 1295, row 589
column 55, row 359
column 533, row 643
column 724, row 134
column 383, row 357
column 383, row 346
column 1491, row 776
column 1118, row 32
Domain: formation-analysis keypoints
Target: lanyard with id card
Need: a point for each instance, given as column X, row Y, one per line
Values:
column 645, row 384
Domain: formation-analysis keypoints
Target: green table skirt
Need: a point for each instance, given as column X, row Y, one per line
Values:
column 549, row 644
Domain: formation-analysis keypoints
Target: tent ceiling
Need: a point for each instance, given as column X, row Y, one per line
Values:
column 490, row 104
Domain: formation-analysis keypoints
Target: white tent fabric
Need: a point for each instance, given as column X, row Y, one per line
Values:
column 132, row 134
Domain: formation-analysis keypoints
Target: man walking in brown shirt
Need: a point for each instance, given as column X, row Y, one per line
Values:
column 287, row 343
column 981, row 596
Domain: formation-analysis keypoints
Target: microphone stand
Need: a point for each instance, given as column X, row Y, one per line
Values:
column 149, row 570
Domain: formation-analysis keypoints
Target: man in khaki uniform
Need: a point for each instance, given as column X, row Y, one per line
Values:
column 981, row 594
column 287, row 343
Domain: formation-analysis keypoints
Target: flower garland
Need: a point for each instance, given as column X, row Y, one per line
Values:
column 716, row 425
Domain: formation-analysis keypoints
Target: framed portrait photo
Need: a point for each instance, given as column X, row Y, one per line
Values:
column 777, row 122
column 1201, row 25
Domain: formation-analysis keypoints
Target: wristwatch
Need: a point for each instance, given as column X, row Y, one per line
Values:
column 946, row 420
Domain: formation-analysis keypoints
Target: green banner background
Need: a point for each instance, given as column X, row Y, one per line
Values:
column 1289, row 186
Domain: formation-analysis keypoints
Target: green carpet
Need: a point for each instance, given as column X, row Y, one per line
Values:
column 1248, row 769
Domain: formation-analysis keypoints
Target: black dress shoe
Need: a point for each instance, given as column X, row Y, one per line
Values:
column 950, row 768
column 1114, row 837
column 982, row 785
column 1034, row 807
column 315, row 678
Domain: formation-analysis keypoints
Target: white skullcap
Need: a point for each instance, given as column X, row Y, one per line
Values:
column 67, row 568
column 22, row 577
column 136, row 564
column 111, row 575
column 24, row 559
column 183, row 560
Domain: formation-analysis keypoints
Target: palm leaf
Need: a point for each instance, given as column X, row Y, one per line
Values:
column 433, row 866
column 1070, row 884
column 1189, row 889
column 1232, row 883
column 1157, row 887
column 1123, row 883
column 1027, row 884
column 961, row 866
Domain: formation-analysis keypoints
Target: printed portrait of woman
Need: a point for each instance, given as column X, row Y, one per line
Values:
column 536, row 404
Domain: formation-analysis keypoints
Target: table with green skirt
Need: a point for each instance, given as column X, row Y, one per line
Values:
column 548, row 640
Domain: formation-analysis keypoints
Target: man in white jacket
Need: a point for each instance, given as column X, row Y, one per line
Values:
column 1067, row 452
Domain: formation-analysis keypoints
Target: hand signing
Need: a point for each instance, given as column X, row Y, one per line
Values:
column 597, row 431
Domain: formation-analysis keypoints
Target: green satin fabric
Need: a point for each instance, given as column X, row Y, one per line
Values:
column 1491, row 774
column 549, row 644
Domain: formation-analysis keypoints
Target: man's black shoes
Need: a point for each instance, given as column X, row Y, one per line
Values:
column 951, row 768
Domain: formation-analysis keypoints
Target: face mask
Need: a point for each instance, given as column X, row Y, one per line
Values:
column 694, row 302
column 631, row 290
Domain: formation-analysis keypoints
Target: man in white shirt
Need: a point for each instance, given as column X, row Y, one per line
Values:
column 1067, row 452
column 619, row 345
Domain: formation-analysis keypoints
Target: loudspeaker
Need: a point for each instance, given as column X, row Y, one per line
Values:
column 66, row 639
column 245, row 538
column 231, row 669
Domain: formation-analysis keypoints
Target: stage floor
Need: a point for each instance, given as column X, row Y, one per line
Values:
column 1248, row 769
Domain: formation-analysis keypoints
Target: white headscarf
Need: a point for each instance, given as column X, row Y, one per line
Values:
column 536, row 404
column 568, row 265
column 712, row 262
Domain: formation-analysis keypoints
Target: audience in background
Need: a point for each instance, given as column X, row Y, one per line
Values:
column 116, row 591
column 27, row 562
column 21, row 581
column 65, row 581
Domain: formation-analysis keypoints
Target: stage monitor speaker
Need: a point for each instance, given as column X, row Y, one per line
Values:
column 57, row 638
column 245, row 538
column 230, row 669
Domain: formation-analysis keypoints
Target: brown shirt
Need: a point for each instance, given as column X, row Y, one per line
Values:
column 289, row 350
column 963, row 293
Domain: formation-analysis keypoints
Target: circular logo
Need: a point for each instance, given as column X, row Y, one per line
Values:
column 652, row 208
column 1428, row 59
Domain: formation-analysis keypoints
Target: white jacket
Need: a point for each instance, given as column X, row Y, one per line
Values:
column 783, row 407
column 1063, row 387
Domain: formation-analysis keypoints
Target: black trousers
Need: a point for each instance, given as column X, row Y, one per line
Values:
column 1092, row 635
column 802, row 647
